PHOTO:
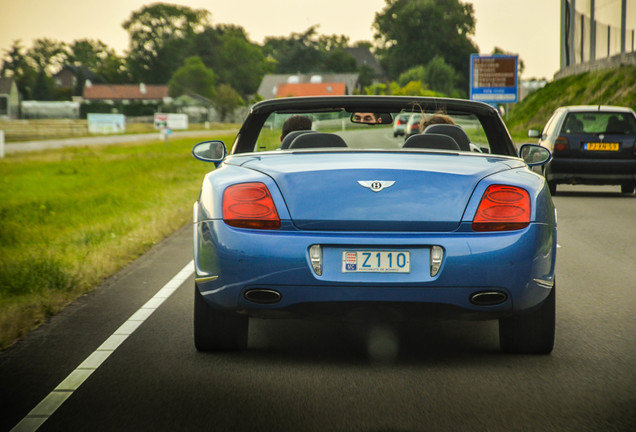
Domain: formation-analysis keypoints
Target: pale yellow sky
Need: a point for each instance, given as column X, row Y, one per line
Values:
column 529, row 28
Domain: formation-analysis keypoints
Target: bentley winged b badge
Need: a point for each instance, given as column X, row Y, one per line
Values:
column 376, row 185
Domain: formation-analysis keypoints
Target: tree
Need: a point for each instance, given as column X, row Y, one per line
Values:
column 16, row 66
column 235, row 60
column 113, row 69
column 338, row 60
column 99, row 58
column 161, row 38
column 366, row 75
column 416, row 73
column 441, row 77
column 86, row 52
column 413, row 32
column 47, row 54
column 332, row 42
column 226, row 100
column 309, row 52
column 192, row 77
column 411, row 88
column 300, row 53
column 436, row 75
column 43, row 88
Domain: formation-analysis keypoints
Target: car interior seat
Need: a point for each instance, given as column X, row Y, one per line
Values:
column 431, row 141
column 454, row 131
column 614, row 125
column 317, row 140
column 287, row 140
column 573, row 125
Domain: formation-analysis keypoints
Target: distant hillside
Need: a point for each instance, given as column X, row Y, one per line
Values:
column 607, row 87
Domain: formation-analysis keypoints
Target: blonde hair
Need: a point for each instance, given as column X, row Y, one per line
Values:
column 437, row 118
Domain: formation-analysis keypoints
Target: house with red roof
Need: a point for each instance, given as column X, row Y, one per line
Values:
column 312, row 89
column 125, row 93
column 284, row 85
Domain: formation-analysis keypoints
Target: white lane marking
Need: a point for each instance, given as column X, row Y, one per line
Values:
column 58, row 396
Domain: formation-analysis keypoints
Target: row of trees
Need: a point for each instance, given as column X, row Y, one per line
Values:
column 424, row 45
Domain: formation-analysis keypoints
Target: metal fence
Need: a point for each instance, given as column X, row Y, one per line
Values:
column 592, row 30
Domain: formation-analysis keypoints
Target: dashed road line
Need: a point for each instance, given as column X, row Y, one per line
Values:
column 45, row 409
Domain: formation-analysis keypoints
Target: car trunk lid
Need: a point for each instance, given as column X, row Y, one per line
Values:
column 377, row 191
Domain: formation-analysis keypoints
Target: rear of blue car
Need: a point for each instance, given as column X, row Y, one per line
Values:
column 433, row 242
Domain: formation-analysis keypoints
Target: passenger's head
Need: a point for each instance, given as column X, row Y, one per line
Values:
column 295, row 122
column 435, row 119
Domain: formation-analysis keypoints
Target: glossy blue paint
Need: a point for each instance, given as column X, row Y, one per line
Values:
column 432, row 201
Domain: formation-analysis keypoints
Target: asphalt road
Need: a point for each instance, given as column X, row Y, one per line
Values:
column 306, row 376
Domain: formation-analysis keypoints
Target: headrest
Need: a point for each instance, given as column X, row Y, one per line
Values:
column 317, row 140
column 290, row 137
column 431, row 141
column 573, row 125
column 453, row 131
column 614, row 125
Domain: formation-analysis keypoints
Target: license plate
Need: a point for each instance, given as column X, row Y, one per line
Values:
column 601, row 146
column 376, row 261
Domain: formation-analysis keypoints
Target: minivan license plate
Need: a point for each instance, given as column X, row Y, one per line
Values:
column 376, row 261
column 602, row 146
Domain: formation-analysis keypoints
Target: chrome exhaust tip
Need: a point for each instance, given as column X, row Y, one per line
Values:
column 488, row 298
column 263, row 296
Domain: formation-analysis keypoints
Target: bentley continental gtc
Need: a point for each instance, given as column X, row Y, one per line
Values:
column 318, row 211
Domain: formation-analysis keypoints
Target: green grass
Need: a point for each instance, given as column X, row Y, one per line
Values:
column 607, row 87
column 70, row 218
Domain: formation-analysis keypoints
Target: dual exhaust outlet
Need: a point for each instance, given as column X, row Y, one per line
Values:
column 270, row 296
column 488, row 298
column 263, row 296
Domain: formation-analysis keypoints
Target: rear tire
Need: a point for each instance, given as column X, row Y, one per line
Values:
column 627, row 188
column 531, row 333
column 215, row 330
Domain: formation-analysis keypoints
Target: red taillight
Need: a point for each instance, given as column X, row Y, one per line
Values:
column 561, row 144
column 502, row 208
column 250, row 205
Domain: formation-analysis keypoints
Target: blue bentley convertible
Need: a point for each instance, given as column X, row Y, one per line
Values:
column 319, row 211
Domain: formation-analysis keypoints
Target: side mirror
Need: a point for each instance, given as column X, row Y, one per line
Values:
column 210, row 151
column 534, row 155
column 533, row 133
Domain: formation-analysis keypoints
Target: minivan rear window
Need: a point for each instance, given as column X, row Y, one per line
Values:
column 600, row 123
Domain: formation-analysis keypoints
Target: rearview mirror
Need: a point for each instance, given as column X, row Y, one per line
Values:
column 210, row 151
column 534, row 155
column 371, row 118
column 533, row 133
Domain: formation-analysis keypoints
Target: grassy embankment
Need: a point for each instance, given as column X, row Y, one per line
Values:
column 70, row 218
column 607, row 87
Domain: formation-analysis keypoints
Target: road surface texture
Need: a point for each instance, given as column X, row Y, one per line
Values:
column 310, row 376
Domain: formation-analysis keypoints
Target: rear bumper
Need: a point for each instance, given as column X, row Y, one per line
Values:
column 230, row 262
column 592, row 171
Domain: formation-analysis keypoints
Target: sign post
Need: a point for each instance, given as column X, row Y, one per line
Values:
column 494, row 78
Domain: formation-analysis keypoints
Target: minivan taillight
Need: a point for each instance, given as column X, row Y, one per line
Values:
column 250, row 205
column 561, row 144
column 503, row 208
